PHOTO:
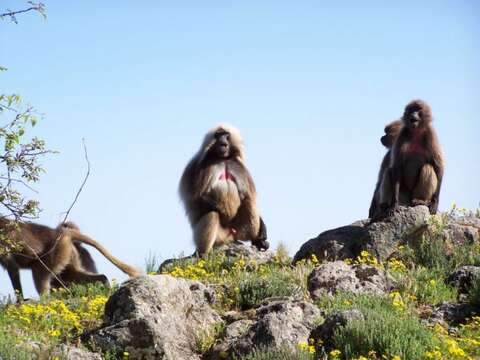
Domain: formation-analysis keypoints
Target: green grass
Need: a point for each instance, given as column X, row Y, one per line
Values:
column 252, row 290
column 50, row 321
column 242, row 283
column 474, row 293
column 385, row 330
column 389, row 328
column 426, row 286
column 276, row 354
column 152, row 263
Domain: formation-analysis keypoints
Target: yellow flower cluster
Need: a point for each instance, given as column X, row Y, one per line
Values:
column 335, row 354
column 193, row 271
column 372, row 355
column 307, row 347
column 451, row 344
column 455, row 350
column 397, row 300
column 435, row 354
column 54, row 315
column 239, row 265
column 95, row 307
column 364, row 258
column 56, row 318
column 397, row 265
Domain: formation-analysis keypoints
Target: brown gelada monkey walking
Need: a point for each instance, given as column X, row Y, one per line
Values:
column 416, row 165
column 45, row 250
column 219, row 195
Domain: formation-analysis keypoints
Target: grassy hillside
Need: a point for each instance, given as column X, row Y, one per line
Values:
column 392, row 328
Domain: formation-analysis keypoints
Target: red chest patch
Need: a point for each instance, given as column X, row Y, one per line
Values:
column 416, row 144
column 225, row 175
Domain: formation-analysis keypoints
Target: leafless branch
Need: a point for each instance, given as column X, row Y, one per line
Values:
column 12, row 14
column 83, row 183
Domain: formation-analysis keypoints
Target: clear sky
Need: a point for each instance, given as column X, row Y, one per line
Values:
column 310, row 84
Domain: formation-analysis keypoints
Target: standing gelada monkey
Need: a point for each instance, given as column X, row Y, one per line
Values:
column 219, row 194
column 416, row 169
column 391, row 132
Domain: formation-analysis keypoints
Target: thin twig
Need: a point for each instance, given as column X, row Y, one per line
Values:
column 83, row 183
column 21, row 182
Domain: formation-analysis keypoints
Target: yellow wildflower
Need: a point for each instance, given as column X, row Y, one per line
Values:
column 335, row 354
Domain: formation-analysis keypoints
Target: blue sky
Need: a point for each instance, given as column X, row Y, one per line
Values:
column 310, row 84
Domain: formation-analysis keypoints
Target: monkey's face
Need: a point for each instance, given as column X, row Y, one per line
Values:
column 222, row 144
column 416, row 114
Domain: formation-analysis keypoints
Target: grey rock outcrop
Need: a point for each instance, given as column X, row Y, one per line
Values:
column 333, row 277
column 234, row 250
column 279, row 322
column 379, row 238
column 74, row 353
column 156, row 317
column 447, row 313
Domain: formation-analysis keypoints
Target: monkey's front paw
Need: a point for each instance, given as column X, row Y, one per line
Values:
column 261, row 244
column 391, row 211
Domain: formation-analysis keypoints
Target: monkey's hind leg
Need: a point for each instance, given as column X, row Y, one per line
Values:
column 208, row 232
column 14, row 274
column 41, row 278
column 250, row 226
column 78, row 274
column 425, row 187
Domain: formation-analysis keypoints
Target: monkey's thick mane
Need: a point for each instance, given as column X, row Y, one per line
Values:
column 236, row 141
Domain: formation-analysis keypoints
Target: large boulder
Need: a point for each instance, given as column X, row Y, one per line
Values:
column 157, row 317
column 333, row 277
column 448, row 314
column 279, row 322
column 379, row 238
column 462, row 229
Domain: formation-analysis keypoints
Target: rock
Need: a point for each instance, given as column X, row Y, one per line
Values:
column 156, row 317
column 325, row 331
column 460, row 232
column 233, row 332
column 234, row 250
column 447, row 313
column 338, row 244
column 74, row 353
column 379, row 238
column 463, row 277
column 333, row 277
column 279, row 322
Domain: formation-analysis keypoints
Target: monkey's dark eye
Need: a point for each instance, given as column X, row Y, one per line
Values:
column 222, row 135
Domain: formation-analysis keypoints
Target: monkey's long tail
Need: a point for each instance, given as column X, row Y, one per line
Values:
column 127, row 269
